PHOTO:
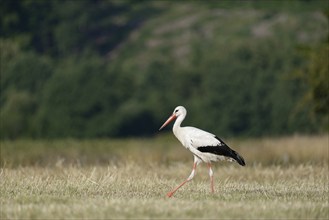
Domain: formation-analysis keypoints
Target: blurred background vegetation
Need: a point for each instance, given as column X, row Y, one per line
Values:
column 98, row 68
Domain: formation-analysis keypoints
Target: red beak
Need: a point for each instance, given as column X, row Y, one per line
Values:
column 171, row 118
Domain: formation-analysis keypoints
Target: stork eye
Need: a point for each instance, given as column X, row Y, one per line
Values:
column 176, row 110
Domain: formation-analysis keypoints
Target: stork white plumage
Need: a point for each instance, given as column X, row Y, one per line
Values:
column 205, row 147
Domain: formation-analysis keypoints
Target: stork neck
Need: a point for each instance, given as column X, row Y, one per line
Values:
column 178, row 122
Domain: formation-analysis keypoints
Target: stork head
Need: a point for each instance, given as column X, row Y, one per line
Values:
column 179, row 111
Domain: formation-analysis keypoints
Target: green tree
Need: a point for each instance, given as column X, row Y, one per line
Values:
column 23, row 76
column 315, row 76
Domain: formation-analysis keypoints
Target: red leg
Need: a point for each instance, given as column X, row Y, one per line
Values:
column 170, row 194
column 211, row 175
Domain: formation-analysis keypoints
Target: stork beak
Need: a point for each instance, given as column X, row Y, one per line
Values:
column 171, row 118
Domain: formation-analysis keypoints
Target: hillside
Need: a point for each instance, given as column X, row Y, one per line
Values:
column 97, row 69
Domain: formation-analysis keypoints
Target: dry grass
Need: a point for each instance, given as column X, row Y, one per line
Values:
column 270, row 186
column 138, row 191
column 286, row 150
column 160, row 150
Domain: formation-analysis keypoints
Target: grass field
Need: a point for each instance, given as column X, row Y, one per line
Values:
column 101, row 179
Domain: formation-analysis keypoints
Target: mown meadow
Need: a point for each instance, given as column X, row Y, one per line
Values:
column 285, row 177
column 80, row 77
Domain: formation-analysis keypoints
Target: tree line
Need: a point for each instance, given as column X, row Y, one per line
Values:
column 90, row 69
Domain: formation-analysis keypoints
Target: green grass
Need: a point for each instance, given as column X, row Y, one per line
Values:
column 283, row 179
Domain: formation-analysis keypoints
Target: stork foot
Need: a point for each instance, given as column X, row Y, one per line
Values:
column 170, row 194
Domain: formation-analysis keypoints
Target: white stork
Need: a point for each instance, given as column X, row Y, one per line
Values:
column 205, row 147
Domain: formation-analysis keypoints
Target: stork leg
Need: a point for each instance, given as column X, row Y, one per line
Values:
column 211, row 175
column 187, row 180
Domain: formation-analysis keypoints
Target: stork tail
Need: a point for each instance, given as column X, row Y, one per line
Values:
column 238, row 158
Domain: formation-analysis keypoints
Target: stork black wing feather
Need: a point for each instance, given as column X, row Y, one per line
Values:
column 223, row 150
